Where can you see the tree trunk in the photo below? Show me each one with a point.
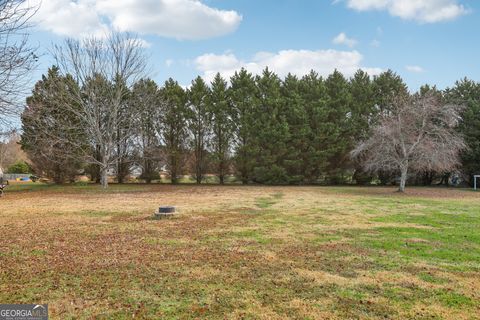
(244, 174)
(147, 172)
(96, 175)
(173, 168)
(198, 169)
(222, 179)
(173, 175)
(122, 170)
(403, 177)
(104, 176)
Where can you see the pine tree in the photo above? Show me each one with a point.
(338, 126)
(145, 98)
(53, 144)
(386, 87)
(173, 127)
(199, 126)
(363, 110)
(244, 104)
(271, 131)
(220, 109)
(297, 157)
(467, 93)
(315, 100)
(124, 137)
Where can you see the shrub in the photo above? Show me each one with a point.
(19, 167)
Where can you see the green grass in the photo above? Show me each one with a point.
(443, 232)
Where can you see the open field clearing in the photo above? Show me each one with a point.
(242, 252)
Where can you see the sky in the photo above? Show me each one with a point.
(424, 41)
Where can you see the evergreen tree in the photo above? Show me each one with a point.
(222, 126)
(145, 98)
(338, 126)
(54, 146)
(427, 89)
(124, 136)
(363, 111)
(387, 86)
(297, 156)
(315, 100)
(173, 127)
(244, 104)
(199, 126)
(467, 93)
(271, 131)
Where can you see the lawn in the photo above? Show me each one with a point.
(239, 252)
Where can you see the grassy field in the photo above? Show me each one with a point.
(242, 252)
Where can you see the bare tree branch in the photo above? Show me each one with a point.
(17, 57)
(105, 70)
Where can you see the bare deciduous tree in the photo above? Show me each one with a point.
(17, 57)
(105, 69)
(418, 134)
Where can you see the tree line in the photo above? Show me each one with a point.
(94, 115)
(95, 111)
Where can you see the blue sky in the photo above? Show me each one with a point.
(430, 41)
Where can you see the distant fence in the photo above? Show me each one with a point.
(15, 176)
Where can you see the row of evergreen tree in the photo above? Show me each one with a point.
(260, 129)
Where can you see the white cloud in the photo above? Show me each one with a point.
(210, 62)
(415, 69)
(298, 62)
(169, 62)
(181, 19)
(343, 39)
(69, 18)
(424, 11)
